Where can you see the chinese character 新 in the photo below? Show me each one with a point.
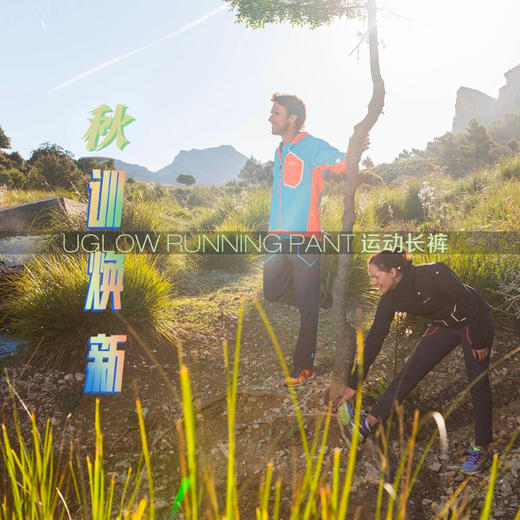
(105, 201)
(102, 125)
(106, 278)
(105, 365)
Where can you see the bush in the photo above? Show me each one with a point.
(509, 167)
(45, 303)
(13, 178)
(413, 209)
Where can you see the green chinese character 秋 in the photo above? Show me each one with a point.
(102, 125)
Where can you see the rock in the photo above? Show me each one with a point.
(372, 474)
(68, 377)
(507, 490)
(79, 376)
(436, 466)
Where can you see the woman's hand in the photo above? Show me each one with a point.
(349, 394)
(481, 354)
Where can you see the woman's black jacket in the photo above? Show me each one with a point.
(429, 290)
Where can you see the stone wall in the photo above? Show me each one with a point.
(24, 218)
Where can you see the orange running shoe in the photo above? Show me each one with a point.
(304, 375)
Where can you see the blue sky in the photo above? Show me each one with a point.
(211, 84)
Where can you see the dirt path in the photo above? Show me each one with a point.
(266, 426)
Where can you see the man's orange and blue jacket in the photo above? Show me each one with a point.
(298, 183)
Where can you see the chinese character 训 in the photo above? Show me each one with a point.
(105, 202)
(106, 278)
(104, 365)
(102, 124)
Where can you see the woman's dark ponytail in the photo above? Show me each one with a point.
(386, 260)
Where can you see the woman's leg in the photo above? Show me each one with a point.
(436, 343)
(481, 390)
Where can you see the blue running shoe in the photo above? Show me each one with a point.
(346, 416)
(477, 461)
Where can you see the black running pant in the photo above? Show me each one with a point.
(304, 271)
(437, 343)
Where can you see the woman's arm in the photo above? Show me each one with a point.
(374, 340)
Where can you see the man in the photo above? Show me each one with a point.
(295, 212)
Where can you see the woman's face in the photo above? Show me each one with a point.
(384, 281)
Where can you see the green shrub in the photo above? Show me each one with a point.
(45, 302)
(509, 167)
(413, 209)
(200, 195)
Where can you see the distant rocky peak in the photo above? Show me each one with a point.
(473, 104)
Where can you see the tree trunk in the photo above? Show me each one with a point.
(345, 333)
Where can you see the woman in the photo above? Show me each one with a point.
(459, 316)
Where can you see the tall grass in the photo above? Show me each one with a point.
(34, 492)
(509, 167)
(232, 214)
(46, 301)
(12, 196)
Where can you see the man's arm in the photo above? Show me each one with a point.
(331, 159)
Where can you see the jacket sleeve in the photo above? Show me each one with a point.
(465, 302)
(374, 340)
(329, 158)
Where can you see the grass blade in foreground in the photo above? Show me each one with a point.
(486, 510)
(190, 436)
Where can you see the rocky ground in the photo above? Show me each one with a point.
(266, 428)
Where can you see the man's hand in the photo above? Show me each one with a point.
(481, 354)
(366, 144)
(349, 394)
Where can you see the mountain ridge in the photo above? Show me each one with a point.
(211, 166)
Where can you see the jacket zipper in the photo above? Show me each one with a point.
(280, 193)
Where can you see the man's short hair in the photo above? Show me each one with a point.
(294, 105)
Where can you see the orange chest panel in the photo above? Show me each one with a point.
(292, 170)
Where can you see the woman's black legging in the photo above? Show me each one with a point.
(436, 343)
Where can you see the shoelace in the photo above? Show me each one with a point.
(364, 423)
(475, 456)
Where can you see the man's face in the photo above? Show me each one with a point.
(280, 120)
